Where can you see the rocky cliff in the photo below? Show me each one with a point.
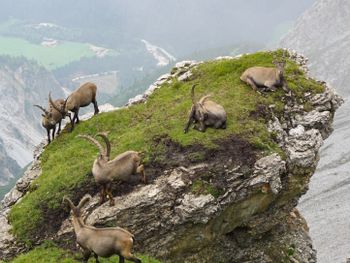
(323, 35)
(220, 196)
(22, 84)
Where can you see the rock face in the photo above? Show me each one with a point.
(22, 84)
(8, 166)
(252, 220)
(327, 45)
(7, 241)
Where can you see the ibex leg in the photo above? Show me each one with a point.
(141, 170)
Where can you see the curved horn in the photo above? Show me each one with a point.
(192, 93)
(53, 104)
(70, 203)
(43, 109)
(103, 135)
(83, 201)
(64, 111)
(204, 98)
(93, 141)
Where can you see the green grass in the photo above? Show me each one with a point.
(202, 187)
(68, 159)
(50, 253)
(50, 57)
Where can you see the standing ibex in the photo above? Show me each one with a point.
(105, 171)
(103, 242)
(81, 97)
(206, 113)
(266, 77)
(51, 117)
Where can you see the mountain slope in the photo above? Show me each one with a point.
(22, 84)
(8, 167)
(205, 189)
(323, 35)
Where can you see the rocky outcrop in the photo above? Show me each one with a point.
(327, 46)
(8, 244)
(246, 209)
(254, 219)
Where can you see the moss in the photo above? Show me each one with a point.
(66, 163)
(196, 156)
(308, 106)
(291, 250)
(202, 187)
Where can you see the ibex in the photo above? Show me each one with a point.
(105, 171)
(51, 117)
(103, 242)
(206, 113)
(266, 77)
(81, 97)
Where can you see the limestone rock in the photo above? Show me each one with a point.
(268, 170)
(251, 218)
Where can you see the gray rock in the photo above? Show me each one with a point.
(186, 76)
(302, 147)
(174, 223)
(7, 240)
(268, 170)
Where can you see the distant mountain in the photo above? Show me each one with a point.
(22, 84)
(8, 167)
(323, 35)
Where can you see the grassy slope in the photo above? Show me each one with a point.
(51, 57)
(50, 253)
(68, 159)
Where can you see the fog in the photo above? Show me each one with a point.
(180, 26)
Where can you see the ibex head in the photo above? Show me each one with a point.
(76, 209)
(61, 109)
(47, 115)
(280, 64)
(198, 112)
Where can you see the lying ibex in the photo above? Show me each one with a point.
(206, 113)
(266, 77)
(103, 242)
(81, 97)
(105, 171)
(51, 117)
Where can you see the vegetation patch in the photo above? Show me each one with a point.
(52, 57)
(156, 129)
(49, 252)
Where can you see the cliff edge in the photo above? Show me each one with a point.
(219, 196)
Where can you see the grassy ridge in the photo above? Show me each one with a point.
(67, 161)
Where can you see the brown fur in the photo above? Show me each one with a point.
(104, 242)
(268, 77)
(51, 118)
(206, 113)
(81, 97)
(105, 171)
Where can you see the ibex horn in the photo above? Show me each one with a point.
(103, 135)
(43, 109)
(93, 141)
